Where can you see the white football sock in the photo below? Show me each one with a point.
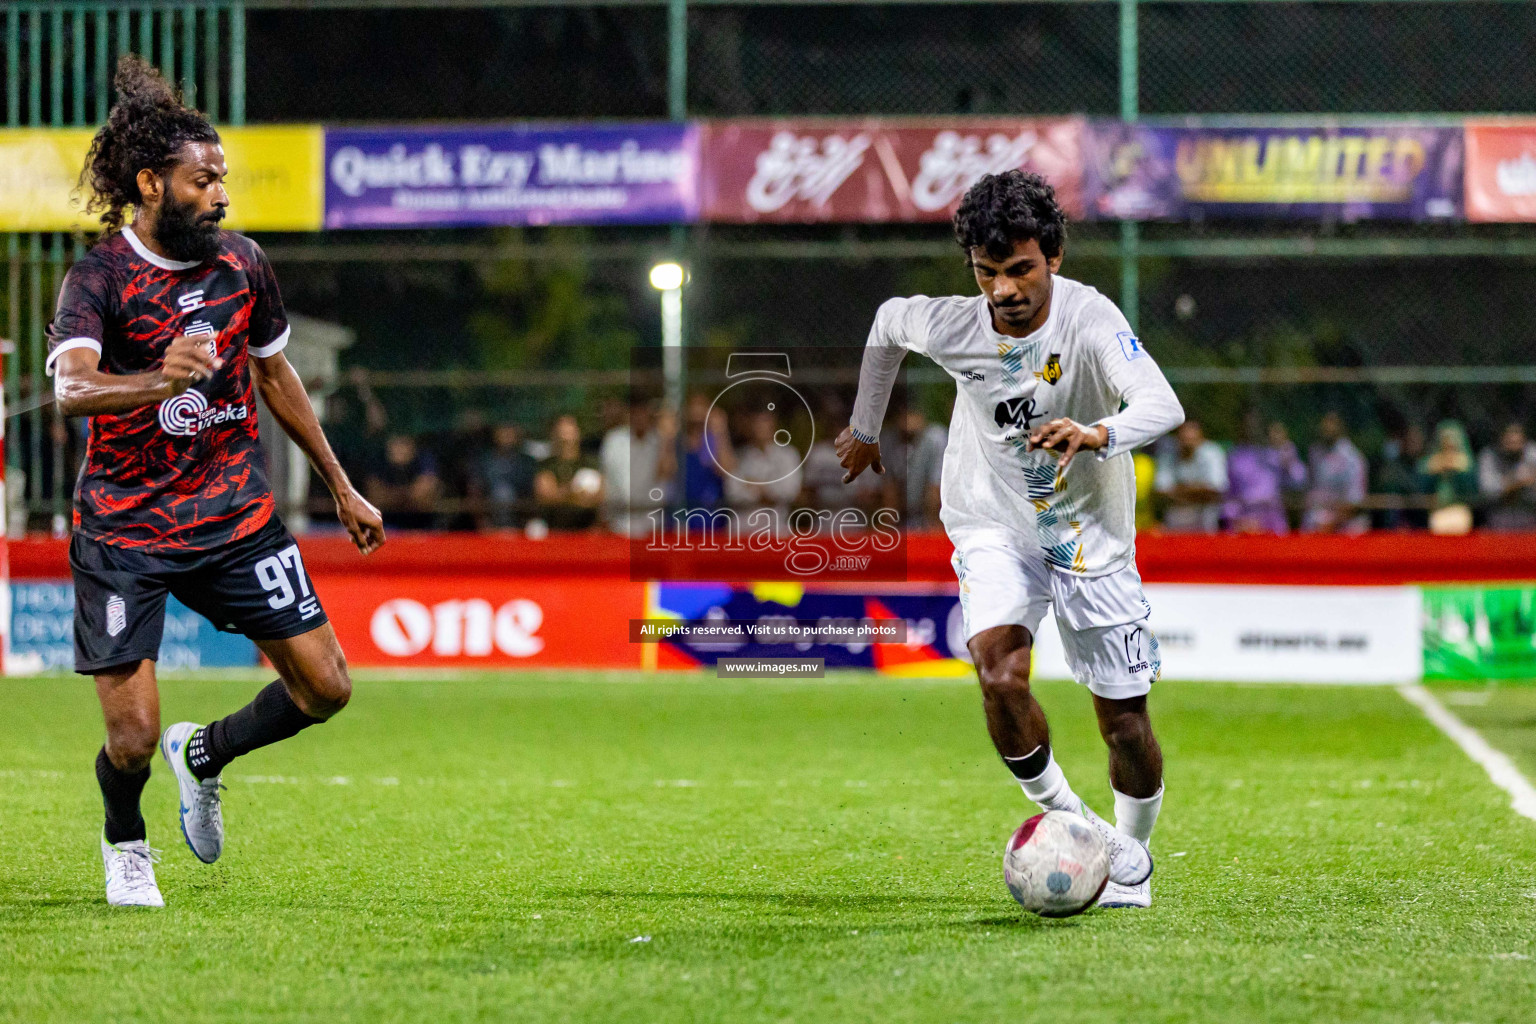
(1135, 817)
(1050, 790)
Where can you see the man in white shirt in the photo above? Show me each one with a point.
(1038, 494)
(638, 461)
(1193, 480)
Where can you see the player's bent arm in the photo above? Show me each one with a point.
(1151, 409)
(285, 396)
(81, 389)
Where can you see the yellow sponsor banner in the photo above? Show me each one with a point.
(275, 178)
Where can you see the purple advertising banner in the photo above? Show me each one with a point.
(1356, 172)
(444, 176)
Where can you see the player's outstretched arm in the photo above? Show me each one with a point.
(284, 394)
(900, 326)
(83, 390)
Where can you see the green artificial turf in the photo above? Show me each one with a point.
(621, 848)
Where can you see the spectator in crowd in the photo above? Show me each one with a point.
(1191, 479)
(707, 454)
(406, 486)
(1397, 479)
(1338, 477)
(357, 420)
(767, 469)
(1144, 466)
(568, 486)
(924, 468)
(1448, 476)
(1506, 474)
(501, 480)
(1258, 477)
(639, 459)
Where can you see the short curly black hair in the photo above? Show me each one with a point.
(1003, 209)
(148, 125)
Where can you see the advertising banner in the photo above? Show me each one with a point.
(483, 622)
(1480, 632)
(1391, 172)
(273, 183)
(446, 175)
(1501, 171)
(871, 171)
(1213, 633)
(43, 634)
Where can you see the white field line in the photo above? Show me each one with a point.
(1496, 763)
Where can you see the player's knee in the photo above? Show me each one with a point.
(328, 691)
(1005, 678)
(1128, 732)
(131, 740)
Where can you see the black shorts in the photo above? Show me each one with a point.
(256, 586)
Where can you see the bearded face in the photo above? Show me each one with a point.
(186, 232)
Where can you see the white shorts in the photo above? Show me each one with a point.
(1108, 643)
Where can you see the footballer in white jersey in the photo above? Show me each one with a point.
(1053, 390)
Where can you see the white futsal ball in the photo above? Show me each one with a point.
(1056, 864)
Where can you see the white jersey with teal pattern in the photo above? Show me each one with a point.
(1084, 363)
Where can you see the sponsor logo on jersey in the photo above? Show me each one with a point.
(1130, 345)
(1052, 372)
(1016, 412)
(191, 301)
(117, 615)
(188, 413)
(973, 375)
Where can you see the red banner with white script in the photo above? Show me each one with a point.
(873, 170)
(1501, 171)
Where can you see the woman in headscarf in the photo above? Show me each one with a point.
(1449, 476)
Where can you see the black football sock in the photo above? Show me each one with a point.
(1031, 765)
(120, 795)
(271, 717)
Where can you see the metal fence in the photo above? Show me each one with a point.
(1390, 323)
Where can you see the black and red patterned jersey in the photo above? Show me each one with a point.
(186, 474)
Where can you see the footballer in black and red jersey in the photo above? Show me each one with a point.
(165, 333)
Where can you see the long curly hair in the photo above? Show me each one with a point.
(147, 126)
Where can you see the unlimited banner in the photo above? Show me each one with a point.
(1501, 171)
(441, 175)
(273, 183)
(873, 171)
(1390, 172)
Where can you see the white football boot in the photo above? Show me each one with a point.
(131, 874)
(1130, 863)
(202, 818)
(1117, 896)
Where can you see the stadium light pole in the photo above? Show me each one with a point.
(669, 278)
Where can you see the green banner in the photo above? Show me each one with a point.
(1480, 632)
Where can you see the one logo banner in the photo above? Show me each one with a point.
(1501, 171)
(870, 171)
(1391, 172)
(447, 175)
